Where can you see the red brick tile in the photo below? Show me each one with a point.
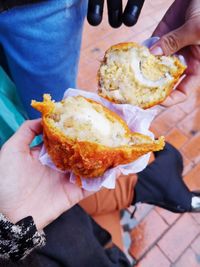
(156, 7)
(191, 124)
(196, 245)
(142, 211)
(122, 34)
(192, 178)
(92, 35)
(168, 217)
(145, 22)
(96, 51)
(188, 259)
(89, 85)
(159, 9)
(154, 258)
(191, 103)
(159, 15)
(178, 238)
(147, 8)
(141, 36)
(176, 138)
(192, 149)
(159, 109)
(168, 119)
(146, 234)
(146, 19)
(196, 216)
(82, 84)
(87, 69)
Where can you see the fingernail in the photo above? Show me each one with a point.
(157, 50)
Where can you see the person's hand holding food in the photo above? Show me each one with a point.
(29, 188)
(179, 32)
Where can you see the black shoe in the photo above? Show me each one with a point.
(161, 183)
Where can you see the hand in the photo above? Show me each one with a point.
(30, 188)
(115, 12)
(179, 32)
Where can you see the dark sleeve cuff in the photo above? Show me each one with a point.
(18, 240)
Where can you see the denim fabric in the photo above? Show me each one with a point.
(41, 43)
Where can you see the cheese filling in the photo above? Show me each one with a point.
(85, 121)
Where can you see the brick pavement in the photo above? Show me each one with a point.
(161, 238)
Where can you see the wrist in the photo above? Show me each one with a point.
(18, 214)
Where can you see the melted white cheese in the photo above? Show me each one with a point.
(98, 121)
(80, 119)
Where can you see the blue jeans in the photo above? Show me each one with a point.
(40, 45)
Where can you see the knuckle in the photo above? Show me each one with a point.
(170, 43)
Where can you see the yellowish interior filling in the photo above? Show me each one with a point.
(84, 121)
(135, 76)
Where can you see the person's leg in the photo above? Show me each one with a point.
(74, 239)
(161, 183)
(41, 43)
(105, 206)
(110, 200)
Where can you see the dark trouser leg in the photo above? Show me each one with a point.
(74, 240)
(161, 183)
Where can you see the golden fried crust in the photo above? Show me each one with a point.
(125, 47)
(122, 46)
(45, 107)
(88, 159)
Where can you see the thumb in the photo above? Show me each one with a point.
(25, 135)
(173, 41)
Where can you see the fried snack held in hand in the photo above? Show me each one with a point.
(130, 74)
(86, 138)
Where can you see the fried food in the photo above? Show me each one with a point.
(86, 138)
(130, 74)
